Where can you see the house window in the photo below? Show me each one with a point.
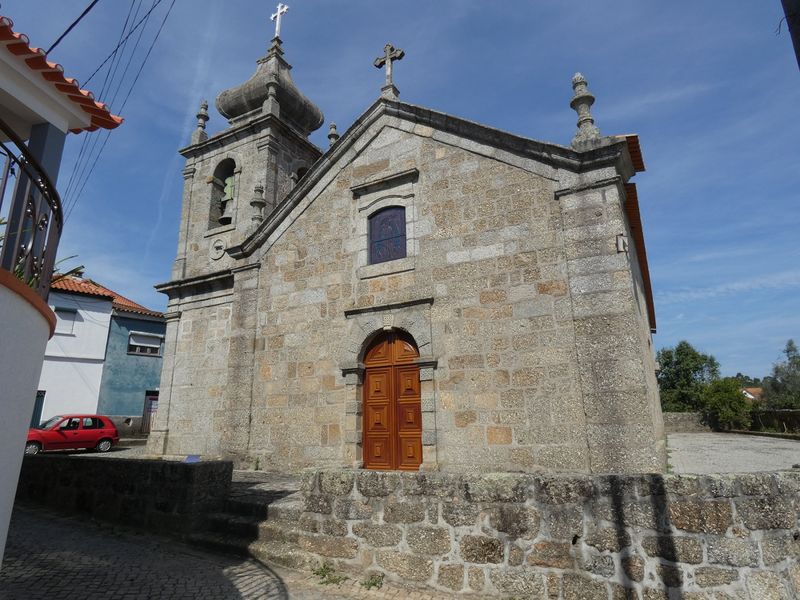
(387, 235)
(65, 320)
(143, 343)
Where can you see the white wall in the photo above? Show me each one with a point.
(73, 363)
(23, 334)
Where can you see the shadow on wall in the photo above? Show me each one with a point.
(627, 513)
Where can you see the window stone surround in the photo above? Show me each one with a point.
(398, 189)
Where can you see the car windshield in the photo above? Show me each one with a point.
(50, 422)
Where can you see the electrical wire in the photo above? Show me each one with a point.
(86, 139)
(134, 28)
(108, 82)
(122, 106)
(72, 26)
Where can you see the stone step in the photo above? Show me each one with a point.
(277, 531)
(221, 543)
(252, 528)
(232, 524)
(287, 509)
(246, 508)
(283, 554)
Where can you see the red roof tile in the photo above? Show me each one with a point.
(76, 285)
(635, 220)
(635, 150)
(36, 60)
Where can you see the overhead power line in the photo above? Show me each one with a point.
(72, 26)
(89, 142)
(124, 102)
(134, 28)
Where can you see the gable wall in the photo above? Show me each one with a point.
(490, 254)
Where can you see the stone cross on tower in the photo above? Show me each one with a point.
(282, 9)
(390, 54)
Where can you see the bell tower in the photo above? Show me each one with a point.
(235, 178)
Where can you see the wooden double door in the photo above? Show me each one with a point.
(392, 410)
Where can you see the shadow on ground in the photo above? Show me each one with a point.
(49, 556)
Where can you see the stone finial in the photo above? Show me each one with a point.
(581, 104)
(200, 134)
(390, 54)
(333, 135)
(258, 203)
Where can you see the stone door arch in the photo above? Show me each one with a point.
(392, 403)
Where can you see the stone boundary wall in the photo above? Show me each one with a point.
(571, 537)
(155, 494)
(684, 422)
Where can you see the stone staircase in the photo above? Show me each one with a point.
(260, 520)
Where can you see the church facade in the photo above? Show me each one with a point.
(427, 293)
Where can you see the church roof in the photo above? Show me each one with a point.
(18, 45)
(272, 78)
(547, 153)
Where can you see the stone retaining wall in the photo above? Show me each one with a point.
(156, 494)
(570, 537)
(684, 422)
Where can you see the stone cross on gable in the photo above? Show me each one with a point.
(390, 54)
(282, 9)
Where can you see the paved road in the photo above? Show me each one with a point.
(730, 453)
(49, 556)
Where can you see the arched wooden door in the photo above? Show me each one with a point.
(392, 411)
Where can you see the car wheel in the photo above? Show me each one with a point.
(103, 446)
(33, 448)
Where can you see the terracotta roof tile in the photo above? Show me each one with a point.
(76, 285)
(36, 60)
(635, 150)
(635, 220)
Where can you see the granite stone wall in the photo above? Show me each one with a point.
(539, 536)
(155, 494)
(684, 422)
(534, 343)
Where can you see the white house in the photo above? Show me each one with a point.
(73, 361)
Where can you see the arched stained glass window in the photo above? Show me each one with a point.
(387, 235)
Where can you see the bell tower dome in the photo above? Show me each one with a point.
(235, 178)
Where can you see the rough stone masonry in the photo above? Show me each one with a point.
(603, 537)
(522, 282)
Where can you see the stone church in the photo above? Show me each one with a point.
(426, 293)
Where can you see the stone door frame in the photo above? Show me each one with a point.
(364, 325)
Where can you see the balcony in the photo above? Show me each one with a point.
(31, 218)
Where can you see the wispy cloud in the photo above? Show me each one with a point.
(775, 281)
(655, 102)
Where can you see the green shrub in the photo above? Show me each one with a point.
(724, 405)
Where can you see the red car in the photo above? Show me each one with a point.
(69, 432)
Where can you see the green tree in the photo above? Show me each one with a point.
(747, 381)
(683, 377)
(782, 387)
(724, 405)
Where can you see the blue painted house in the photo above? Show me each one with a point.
(132, 368)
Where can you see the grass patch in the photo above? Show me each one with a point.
(373, 581)
(328, 575)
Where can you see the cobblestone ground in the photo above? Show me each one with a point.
(49, 556)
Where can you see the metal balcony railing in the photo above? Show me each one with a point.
(31, 215)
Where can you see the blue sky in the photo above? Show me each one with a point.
(710, 87)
